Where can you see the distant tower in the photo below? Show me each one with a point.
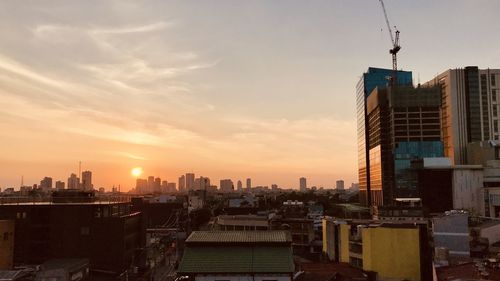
(46, 183)
(73, 182)
(303, 184)
(151, 184)
(240, 185)
(190, 181)
(249, 184)
(340, 185)
(182, 183)
(87, 180)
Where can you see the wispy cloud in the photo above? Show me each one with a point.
(157, 26)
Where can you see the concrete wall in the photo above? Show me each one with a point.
(394, 253)
(6, 244)
(467, 190)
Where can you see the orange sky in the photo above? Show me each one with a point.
(225, 89)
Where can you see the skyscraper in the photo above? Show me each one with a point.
(151, 184)
(87, 180)
(157, 185)
(404, 125)
(374, 77)
(59, 185)
(73, 182)
(182, 183)
(303, 184)
(470, 108)
(240, 185)
(46, 183)
(249, 184)
(226, 185)
(339, 185)
(190, 181)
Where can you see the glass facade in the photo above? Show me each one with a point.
(374, 77)
(405, 179)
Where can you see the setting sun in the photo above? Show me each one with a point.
(137, 171)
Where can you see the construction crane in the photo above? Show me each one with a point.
(395, 45)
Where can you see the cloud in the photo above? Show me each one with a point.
(157, 26)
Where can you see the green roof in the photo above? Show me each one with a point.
(237, 259)
(232, 237)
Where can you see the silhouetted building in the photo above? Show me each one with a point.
(189, 181)
(303, 184)
(6, 244)
(249, 184)
(73, 182)
(59, 185)
(141, 186)
(46, 183)
(182, 183)
(87, 180)
(339, 185)
(226, 185)
(239, 185)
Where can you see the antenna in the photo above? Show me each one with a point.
(22, 180)
(80, 169)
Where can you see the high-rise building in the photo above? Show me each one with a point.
(157, 185)
(141, 186)
(303, 184)
(470, 108)
(151, 184)
(226, 185)
(59, 185)
(339, 185)
(87, 180)
(164, 186)
(374, 77)
(190, 181)
(171, 187)
(249, 184)
(182, 183)
(239, 185)
(46, 183)
(73, 182)
(403, 125)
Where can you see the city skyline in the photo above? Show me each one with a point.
(173, 87)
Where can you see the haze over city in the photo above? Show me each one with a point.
(225, 89)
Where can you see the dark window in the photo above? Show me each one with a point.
(493, 82)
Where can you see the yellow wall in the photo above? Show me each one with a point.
(326, 237)
(6, 245)
(344, 242)
(392, 252)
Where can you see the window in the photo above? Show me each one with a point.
(494, 95)
(493, 82)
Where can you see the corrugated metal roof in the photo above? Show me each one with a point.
(277, 236)
(237, 259)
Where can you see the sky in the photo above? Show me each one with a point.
(224, 89)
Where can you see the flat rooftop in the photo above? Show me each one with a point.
(231, 237)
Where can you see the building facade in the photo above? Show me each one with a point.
(374, 77)
(470, 106)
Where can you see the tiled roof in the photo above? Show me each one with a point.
(232, 237)
(237, 259)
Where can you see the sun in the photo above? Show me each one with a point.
(137, 171)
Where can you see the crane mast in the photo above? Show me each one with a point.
(395, 45)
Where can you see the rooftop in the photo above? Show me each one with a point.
(232, 237)
(236, 259)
